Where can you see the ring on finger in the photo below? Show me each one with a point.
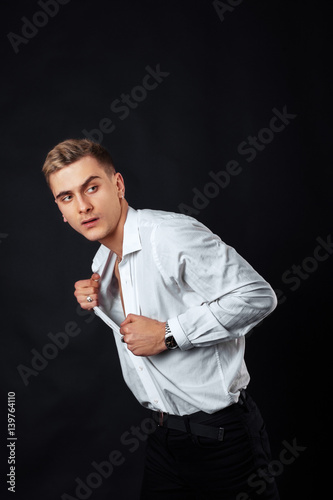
(89, 299)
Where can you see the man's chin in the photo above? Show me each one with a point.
(92, 235)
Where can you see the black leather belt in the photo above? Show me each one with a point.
(184, 424)
(190, 423)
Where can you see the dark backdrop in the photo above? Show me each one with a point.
(222, 72)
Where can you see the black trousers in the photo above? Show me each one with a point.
(181, 466)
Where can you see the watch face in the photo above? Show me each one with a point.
(170, 342)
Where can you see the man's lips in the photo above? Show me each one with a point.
(90, 222)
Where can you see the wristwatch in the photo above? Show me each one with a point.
(170, 341)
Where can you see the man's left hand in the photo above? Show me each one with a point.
(143, 336)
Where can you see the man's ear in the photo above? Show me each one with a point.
(120, 184)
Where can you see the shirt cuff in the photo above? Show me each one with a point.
(182, 341)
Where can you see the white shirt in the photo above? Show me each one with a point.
(175, 269)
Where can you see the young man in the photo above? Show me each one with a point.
(180, 302)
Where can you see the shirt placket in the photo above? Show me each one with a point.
(131, 304)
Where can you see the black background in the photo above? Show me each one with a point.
(225, 77)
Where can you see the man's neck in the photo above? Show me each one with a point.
(114, 241)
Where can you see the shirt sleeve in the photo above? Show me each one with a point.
(233, 296)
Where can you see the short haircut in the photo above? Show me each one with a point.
(67, 152)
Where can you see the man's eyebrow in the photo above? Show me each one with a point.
(85, 184)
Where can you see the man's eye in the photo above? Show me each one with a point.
(66, 198)
(92, 189)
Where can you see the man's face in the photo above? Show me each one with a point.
(89, 198)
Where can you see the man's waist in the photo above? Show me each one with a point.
(198, 423)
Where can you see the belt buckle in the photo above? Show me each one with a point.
(220, 434)
(162, 418)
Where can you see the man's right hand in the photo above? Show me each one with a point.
(87, 288)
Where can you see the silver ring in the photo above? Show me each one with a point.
(89, 299)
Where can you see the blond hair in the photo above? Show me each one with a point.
(67, 152)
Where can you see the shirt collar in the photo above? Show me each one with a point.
(131, 242)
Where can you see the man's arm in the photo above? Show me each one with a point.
(235, 298)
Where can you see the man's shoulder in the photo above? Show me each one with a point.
(155, 218)
(164, 230)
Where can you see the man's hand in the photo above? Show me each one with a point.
(143, 336)
(87, 288)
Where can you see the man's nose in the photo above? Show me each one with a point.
(84, 205)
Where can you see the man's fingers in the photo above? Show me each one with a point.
(125, 322)
(83, 297)
(130, 318)
(86, 304)
(88, 290)
(82, 284)
(94, 280)
(94, 285)
(85, 289)
(125, 329)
